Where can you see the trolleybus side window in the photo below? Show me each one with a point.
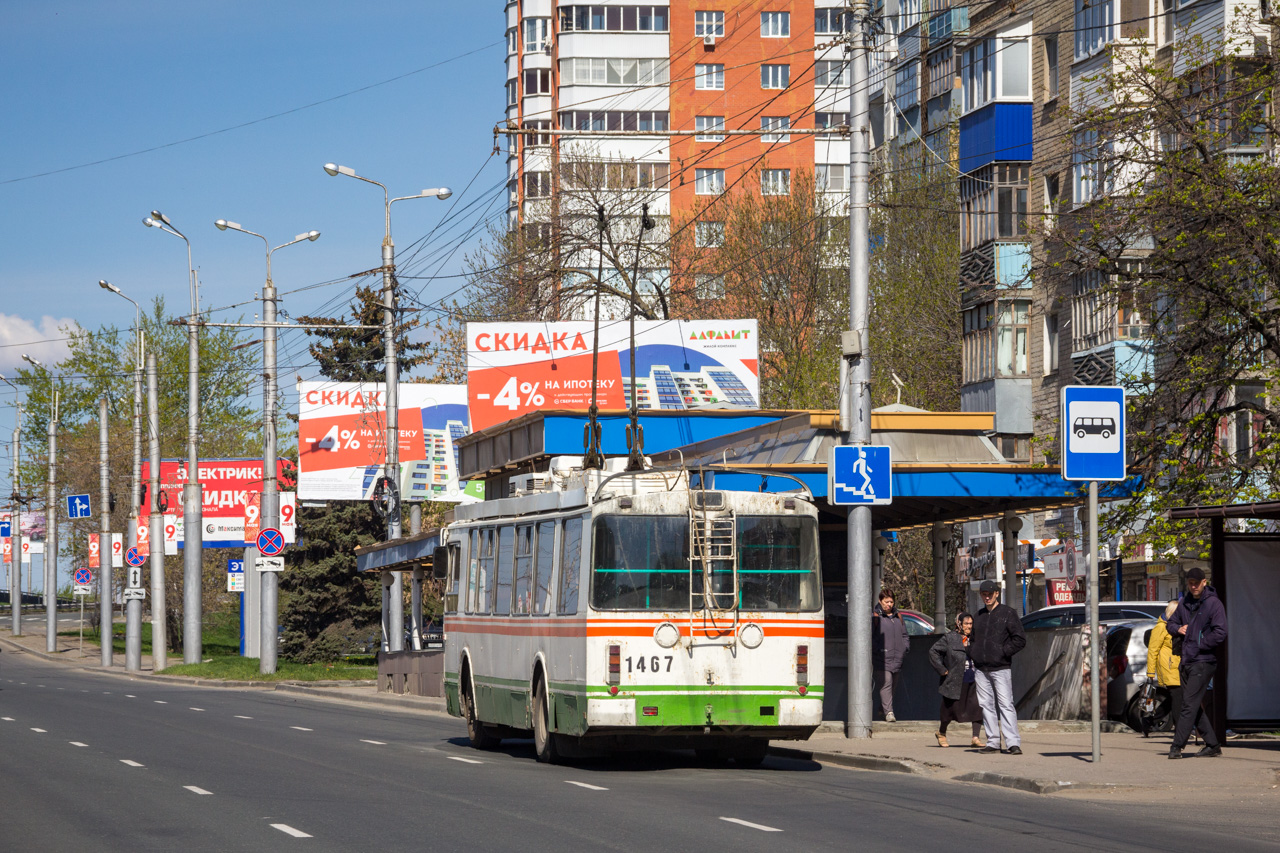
(484, 581)
(460, 554)
(542, 566)
(506, 553)
(778, 563)
(524, 569)
(570, 564)
(640, 562)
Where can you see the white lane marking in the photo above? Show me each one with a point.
(130, 696)
(289, 830)
(301, 729)
(41, 731)
(7, 719)
(241, 717)
(374, 742)
(585, 785)
(161, 702)
(464, 760)
(197, 709)
(747, 823)
(62, 688)
(201, 791)
(77, 743)
(130, 763)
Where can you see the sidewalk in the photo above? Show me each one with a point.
(1056, 757)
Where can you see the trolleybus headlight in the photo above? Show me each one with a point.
(666, 635)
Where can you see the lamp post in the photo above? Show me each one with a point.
(270, 513)
(15, 522)
(391, 473)
(51, 519)
(133, 609)
(192, 494)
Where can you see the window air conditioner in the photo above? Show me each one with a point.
(709, 41)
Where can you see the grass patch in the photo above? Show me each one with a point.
(246, 669)
(219, 638)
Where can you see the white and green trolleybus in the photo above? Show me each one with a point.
(605, 610)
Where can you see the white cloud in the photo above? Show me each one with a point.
(44, 340)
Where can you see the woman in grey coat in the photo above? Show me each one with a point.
(950, 657)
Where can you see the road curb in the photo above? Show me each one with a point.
(857, 762)
(1031, 786)
(424, 704)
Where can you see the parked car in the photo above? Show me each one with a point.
(917, 623)
(1126, 664)
(1109, 612)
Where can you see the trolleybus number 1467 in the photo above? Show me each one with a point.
(653, 662)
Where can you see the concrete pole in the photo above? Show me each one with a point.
(940, 538)
(395, 622)
(15, 530)
(1095, 655)
(269, 582)
(133, 607)
(106, 617)
(387, 585)
(855, 401)
(192, 500)
(1009, 527)
(159, 637)
(415, 592)
(51, 537)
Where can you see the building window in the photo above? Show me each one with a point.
(1050, 343)
(1095, 26)
(708, 181)
(907, 87)
(708, 76)
(614, 19)
(997, 69)
(537, 184)
(1012, 183)
(1085, 168)
(1249, 425)
(614, 174)
(995, 340)
(908, 14)
(830, 21)
(708, 128)
(707, 286)
(1052, 200)
(537, 81)
(775, 24)
(1168, 23)
(826, 73)
(537, 34)
(1013, 332)
(1050, 67)
(775, 128)
(1101, 312)
(540, 138)
(645, 122)
(513, 41)
(833, 177)
(584, 71)
(775, 181)
(942, 74)
(708, 24)
(978, 362)
(513, 92)
(993, 204)
(537, 233)
(773, 77)
(708, 235)
(828, 122)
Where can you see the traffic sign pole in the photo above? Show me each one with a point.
(1095, 655)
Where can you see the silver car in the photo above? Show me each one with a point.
(1126, 664)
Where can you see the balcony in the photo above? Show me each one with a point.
(999, 131)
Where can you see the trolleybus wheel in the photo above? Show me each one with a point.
(544, 740)
(480, 735)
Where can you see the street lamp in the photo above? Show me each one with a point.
(51, 518)
(391, 475)
(133, 636)
(15, 520)
(192, 494)
(270, 510)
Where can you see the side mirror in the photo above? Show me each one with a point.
(440, 562)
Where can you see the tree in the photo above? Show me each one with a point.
(1173, 248)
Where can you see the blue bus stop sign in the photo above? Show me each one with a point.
(860, 474)
(1093, 433)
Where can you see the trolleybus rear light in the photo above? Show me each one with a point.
(650, 711)
(802, 667)
(615, 667)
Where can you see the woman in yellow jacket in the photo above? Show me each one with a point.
(1162, 663)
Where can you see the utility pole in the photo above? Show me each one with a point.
(15, 530)
(105, 616)
(133, 607)
(159, 637)
(855, 397)
(51, 536)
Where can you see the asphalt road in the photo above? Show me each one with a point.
(96, 762)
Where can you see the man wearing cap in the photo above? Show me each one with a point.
(1201, 621)
(997, 637)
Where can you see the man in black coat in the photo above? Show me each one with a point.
(1201, 621)
(997, 637)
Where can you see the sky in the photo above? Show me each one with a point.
(229, 110)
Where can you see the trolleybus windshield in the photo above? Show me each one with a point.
(641, 562)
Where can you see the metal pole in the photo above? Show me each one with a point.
(415, 591)
(192, 497)
(51, 537)
(133, 607)
(159, 635)
(1095, 680)
(105, 616)
(15, 531)
(1009, 527)
(939, 536)
(395, 620)
(855, 401)
(270, 506)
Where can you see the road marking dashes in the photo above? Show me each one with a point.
(130, 763)
(242, 717)
(747, 823)
(77, 743)
(374, 742)
(301, 729)
(585, 785)
(289, 830)
(130, 696)
(464, 760)
(197, 709)
(201, 791)
(7, 719)
(41, 731)
(161, 702)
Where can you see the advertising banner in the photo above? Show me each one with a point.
(227, 485)
(514, 368)
(342, 440)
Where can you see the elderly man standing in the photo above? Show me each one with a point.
(997, 637)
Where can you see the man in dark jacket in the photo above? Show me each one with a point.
(997, 637)
(889, 646)
(1201, 621)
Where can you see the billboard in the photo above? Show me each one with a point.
(514, 368)
(228, 487)
(342, 440)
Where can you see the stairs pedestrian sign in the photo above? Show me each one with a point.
(860, 474)
(78, 506)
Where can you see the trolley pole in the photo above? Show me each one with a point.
(159, 635)
(105, 616)
(855, 397)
